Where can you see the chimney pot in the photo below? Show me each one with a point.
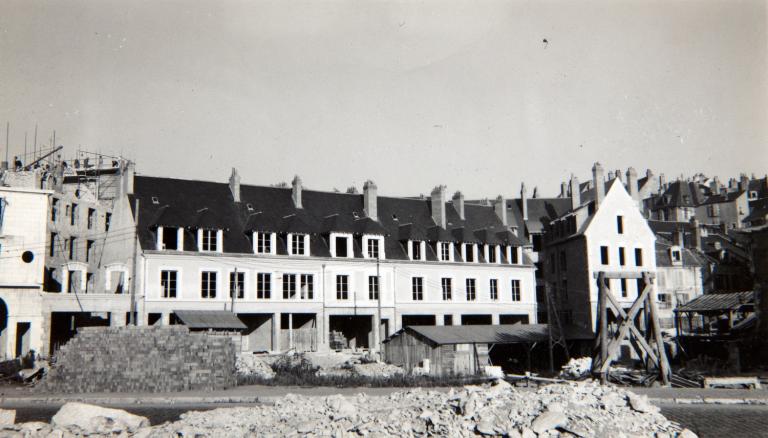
(234, 185)
(370, 200)
(296, 192)
(500, 207)
(599, 183)
(458, 204)
(524, 199)
(575, 193)
(563, 189)
(632, 183)
(437, 199)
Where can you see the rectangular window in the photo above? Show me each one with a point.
(622, 261)
(445, 283)
(494, 289)
(342, 287)
(52, 250)
(620, 224)
(604, 255)
(72, 248)
(91, 218)
(515, 290)
(54, 209)
(373, 248)
(209, 240)
(445, 251)
(341, 246)
(624, 288)
(471, 291)
(263, 285)
(237, 285)
(168, 283)
(417, 288)
(73, 216)
(170, 238)
(263, 243)
(563, 262)
(640, 286)
(638, 257)
(491, 254)
(307, 286)
(447, 319)
(513, 255)
(297, 244)
(289, 286)
(88, 250)
(208, 284)
(107, 221)
(373, 287)
(416, 250)
(469, 253)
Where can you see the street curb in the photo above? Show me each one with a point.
(711, 401)
(136, 401)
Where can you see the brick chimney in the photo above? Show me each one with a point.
(575, 193)
(678, 237)
(437, 199)
(662, 182)
(127, 171)
(234, 185)
(563, 189)
(370, 200)
(632, 183)
(618, 174)
(524, 201)
(500, 207)
(696, 233)
(458, 204)
(598, 181)
(743, 182)
(296, 192)
(715, 185)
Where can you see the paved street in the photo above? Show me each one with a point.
(720, 421)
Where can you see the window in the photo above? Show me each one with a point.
(665, 301)
(208, 284)
(52, 250)
(469, 253)
(373, 287)
(638, 257)
(641, 285)
(563, 262)
(107, 221)
(289, 286)
(73, 216)
(604, 255)
(168, 283)
(471, 291)
(445, 283)
(54, 209)
(91, 218)
(624, 288)
(621, 256)
(491, 254)
(620, 224)
(342, 287)
(564, 288)
(209, 242)
(263, 285)
(373, 248)
(88, 249)
(513, 254)
(552, 265)
(72, 248)
(494, 289)
(675, 255)
(515, 290)
(297, 244)
(416, 250)
(341, 246)
(237, 285)
(263, 243)
(307, 286)
(171, 238)
(447, 319)
(445, 251)
(417, 288)
(713, 210)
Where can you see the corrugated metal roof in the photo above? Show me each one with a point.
(213, 319)
(715, 302)
(494, 334)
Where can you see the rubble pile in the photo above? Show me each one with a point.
(251, 365)
(576, 368)
(170, 358)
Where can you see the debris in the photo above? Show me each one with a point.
(96, 419)
(251, 365)
(576, 368)
(640, 403)
(7, 416)
(549, 420)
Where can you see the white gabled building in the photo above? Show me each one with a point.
(605, 231)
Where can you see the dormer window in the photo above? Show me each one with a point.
(468, 252)
(445, 251)
(373, 247)
(170, 238)
(209, 240)
(752, 195)
(491, 256)
(416, 249)
(341, 245)
(676, 255)
(513, 258)
(155, 201)
(298, 244)
(263, 243)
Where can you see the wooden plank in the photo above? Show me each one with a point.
(623, 274)
(627, 319)
(664, 364)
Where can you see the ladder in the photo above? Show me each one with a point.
(556, 334)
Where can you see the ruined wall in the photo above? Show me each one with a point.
(142, 359)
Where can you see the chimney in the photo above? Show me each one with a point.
(648, 174)
(610, 175)
(234, 185)
(563, 189)
(438, 205)
(535, 192)
(575, 193)
(696, 234)
(501, 209)
(662, 182)
(618, 174)
(744, 182)
(458, 204)
(370, 200)
(599, 183)
(632, 183)
(678, 237)
(715, 185)
(524, 201)
(128, 172)
(296, 192)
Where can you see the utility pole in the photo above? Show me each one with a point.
(236, 291)
(378, 296)
(132, 320)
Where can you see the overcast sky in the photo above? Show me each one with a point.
(409, 94)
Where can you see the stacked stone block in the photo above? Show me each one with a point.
(142, 359)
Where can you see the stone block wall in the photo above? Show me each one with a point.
(142, 359)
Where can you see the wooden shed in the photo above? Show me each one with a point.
(465, 350)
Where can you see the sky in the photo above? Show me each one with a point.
(409, 94)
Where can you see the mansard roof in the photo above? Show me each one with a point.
(191, 204)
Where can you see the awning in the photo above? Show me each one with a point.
(494, 334)
(718, 302)
(210, 319)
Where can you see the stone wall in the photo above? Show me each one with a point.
(142, 359)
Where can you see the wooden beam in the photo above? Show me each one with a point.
(623, 274)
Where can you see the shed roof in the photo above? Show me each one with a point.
(493, 334)
(210, 319)
(718, 302)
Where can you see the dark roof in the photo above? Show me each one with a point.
(681, 194)
(190, 204)
(493, 334)
(723, 197)
(690, 257)
(541, 211)
(718, 302)
(210, 319)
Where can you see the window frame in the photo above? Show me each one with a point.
(471, 287)
(605, 255)
(288, 286)
(638, 256)
(240, 279)
(342, 287)
(620, 224)
(208, 287)
(263, 285)
(493, 289)
(446, 287)
(169, 286)
(417, 288)
(308, 281)
(374, 287)
(515, 290)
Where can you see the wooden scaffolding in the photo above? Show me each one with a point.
(639, 326)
